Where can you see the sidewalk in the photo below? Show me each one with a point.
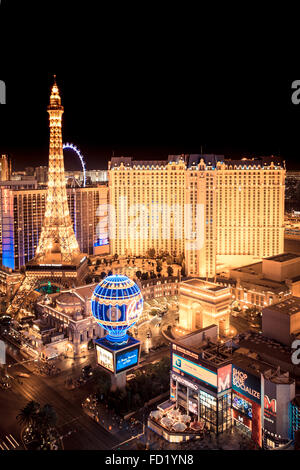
(120, 428)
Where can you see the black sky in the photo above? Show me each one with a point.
(137, 82)
(149, 115)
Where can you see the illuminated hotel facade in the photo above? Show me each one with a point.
(219, 213)
(22, 214)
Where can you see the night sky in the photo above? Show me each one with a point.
(138, 83)
(149, 113)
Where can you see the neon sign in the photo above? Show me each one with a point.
(270, 405)
(246, 384)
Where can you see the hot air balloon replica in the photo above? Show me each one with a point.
(117, 303)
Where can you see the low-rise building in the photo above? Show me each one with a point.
(282, 320)
(266, 283)
(69, 313)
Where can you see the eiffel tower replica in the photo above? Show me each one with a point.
(58, 257)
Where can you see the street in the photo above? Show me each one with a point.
(86, 434)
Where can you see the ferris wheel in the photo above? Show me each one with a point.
(69, 146)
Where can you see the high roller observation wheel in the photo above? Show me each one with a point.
(69, 146)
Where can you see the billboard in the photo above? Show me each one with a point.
(127, 359)
(186, 367)
(242, 406)
(270, 406)
(224, 378)
(246, 384)
(105, 358)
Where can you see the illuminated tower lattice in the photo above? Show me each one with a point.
(57, 257)
(57, 239)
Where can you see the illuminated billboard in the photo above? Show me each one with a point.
(127, 359)
(184, 366)
(241, 405)
(270, 406)
(246, 384)
(105, 358)
(116, 358)
(224, 378)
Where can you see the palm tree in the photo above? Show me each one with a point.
(47, 418)
(28, 414)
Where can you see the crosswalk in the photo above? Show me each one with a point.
(9, 443)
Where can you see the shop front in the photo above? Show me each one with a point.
(203, 392)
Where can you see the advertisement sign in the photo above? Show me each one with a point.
(270, 406)
(224, 378)
(105, 358)
(185, 382)
(242, 419)
(246, 384)
(184, 366)
(127, 359)
(242, 406)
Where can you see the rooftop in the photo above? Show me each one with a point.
(192, 161)
(204, 285)
(263, 346)
(203, 343)
(252, 269)
(290, 306)
(283, 258)
(250, 364)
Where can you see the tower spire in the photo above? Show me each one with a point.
(57, 241)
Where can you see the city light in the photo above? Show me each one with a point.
(154, 306)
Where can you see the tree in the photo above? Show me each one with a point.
(98, 262)
(46, 418)
(180, 259)
(28, 414)
(170, 271)
(103, 275)
(151, 253)
(158, 268)
(169, 260)
(138, 274)
(116, 256)
(145, 277)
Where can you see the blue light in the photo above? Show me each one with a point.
(80, 156)
(101, 242)
(117, 303)
(8, 255)
(127, 359)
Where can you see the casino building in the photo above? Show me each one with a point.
(220, 213)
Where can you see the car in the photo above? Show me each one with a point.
(24, 376)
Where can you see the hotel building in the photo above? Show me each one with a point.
(219, 213)
(5, 167)
(22, 208)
